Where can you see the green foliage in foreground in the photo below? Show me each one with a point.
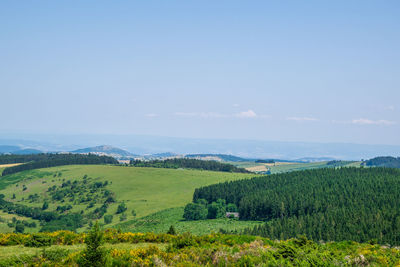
(127, 249)
(357, 204)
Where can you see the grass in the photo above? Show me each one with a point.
(145, 190)
(281, 167)
(161, 221)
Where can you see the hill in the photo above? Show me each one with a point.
(106, 150)
(185, 163)
(390, 162)
(26, 151)
(8, 149)
(36, 161)
(279, 166)
(98, 190)
(357, 204)
(217, 157)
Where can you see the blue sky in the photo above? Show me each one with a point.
(321, 71)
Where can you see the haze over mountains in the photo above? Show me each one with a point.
(134, 145)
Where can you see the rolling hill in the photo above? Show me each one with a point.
(106, 150)
(144, 190)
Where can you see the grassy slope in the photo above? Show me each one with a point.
(161, 221)
(146, 190)
(288, 167)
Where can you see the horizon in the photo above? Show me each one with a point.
(148, 145)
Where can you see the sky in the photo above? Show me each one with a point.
(311, 71)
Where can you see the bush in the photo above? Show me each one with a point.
(121, 208)
(38, 240)
(19, 228)
(108, 219)
(171, 230)
(195, 211)
(123, 217)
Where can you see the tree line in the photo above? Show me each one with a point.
(176, 163)
(390, 162)
(325, 204)
(51, 160)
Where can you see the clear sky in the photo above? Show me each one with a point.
(322, 71)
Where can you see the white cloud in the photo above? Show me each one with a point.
(372, 122)
(151, 115)
(391, 108)
(201, 114)
(243, 115)
(247, 114)
(301, 119)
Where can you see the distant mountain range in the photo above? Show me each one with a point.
(18, 150)
(161, 147)
(217, 157)
(107, 151)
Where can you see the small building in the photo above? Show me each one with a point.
(232, 215)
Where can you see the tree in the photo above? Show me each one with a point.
(231, 207)
(93, 255)
(108, 219)
(133, 213)
(123, 217)
(195, 211)
(121, 208)
(45, 205)
(171, 230)
(19, 228)
(216, 209)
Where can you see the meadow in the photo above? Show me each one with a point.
(144, 190)
(281, 167)
(160, 222)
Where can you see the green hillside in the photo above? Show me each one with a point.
(160, 222)
(282, 167)
(144, 190)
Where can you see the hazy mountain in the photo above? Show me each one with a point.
(8, 149)
(26, 151)
(142, 145)
(218, 157)
(105, 150)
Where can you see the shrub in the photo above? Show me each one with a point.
(108, 219)
(19, 228)
(38, 240)
(171, 230)
(121, 208)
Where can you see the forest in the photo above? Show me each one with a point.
(357, 204)
(208, 165)
(390, 162)
(37, 161)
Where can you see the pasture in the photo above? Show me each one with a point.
(144, 190)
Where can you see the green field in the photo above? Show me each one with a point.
(161, 221)
(145, 190)
(281, 167)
